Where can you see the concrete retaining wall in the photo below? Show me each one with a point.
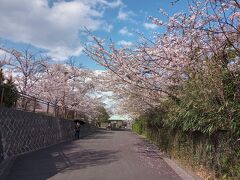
(22, 132)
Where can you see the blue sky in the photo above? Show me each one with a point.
(54, 27)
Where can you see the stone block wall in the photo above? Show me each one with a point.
(22, 132)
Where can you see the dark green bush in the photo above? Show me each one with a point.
(9, 91)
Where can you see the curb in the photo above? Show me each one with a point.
(183, 173)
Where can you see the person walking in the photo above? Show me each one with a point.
(77, 130)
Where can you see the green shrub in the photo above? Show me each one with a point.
(138, 126)
(9, 91)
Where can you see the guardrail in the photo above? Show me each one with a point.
(29, 103)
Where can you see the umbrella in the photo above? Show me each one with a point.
(79, 121)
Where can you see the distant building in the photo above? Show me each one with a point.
(119, 121)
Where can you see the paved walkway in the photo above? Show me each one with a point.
(105, 155)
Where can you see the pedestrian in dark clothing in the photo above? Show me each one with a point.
(77, 130)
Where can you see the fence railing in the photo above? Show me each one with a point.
(26, 102)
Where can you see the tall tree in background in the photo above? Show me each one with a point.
(27, 67)
(103, 115)
(66, 85)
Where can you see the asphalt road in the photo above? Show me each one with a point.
(104, 155)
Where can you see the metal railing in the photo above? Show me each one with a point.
(29, 103)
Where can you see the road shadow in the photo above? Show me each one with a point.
(120, 129)
(84, 159)
(45, 163)
(100, 134)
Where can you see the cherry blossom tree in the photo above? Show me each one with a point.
(68, 87)
(157, 67)
(27, 69)
(64, 85)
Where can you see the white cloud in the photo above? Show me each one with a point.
(3, 58)
(150, 26)
(104, 3)
(53, 28)
(108, 27)
(99, 72)
(125, 43)
(2, 54)
(125, 15)
(62, 52)
(124, 31)
(113, 4)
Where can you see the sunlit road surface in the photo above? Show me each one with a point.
(105, 155)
